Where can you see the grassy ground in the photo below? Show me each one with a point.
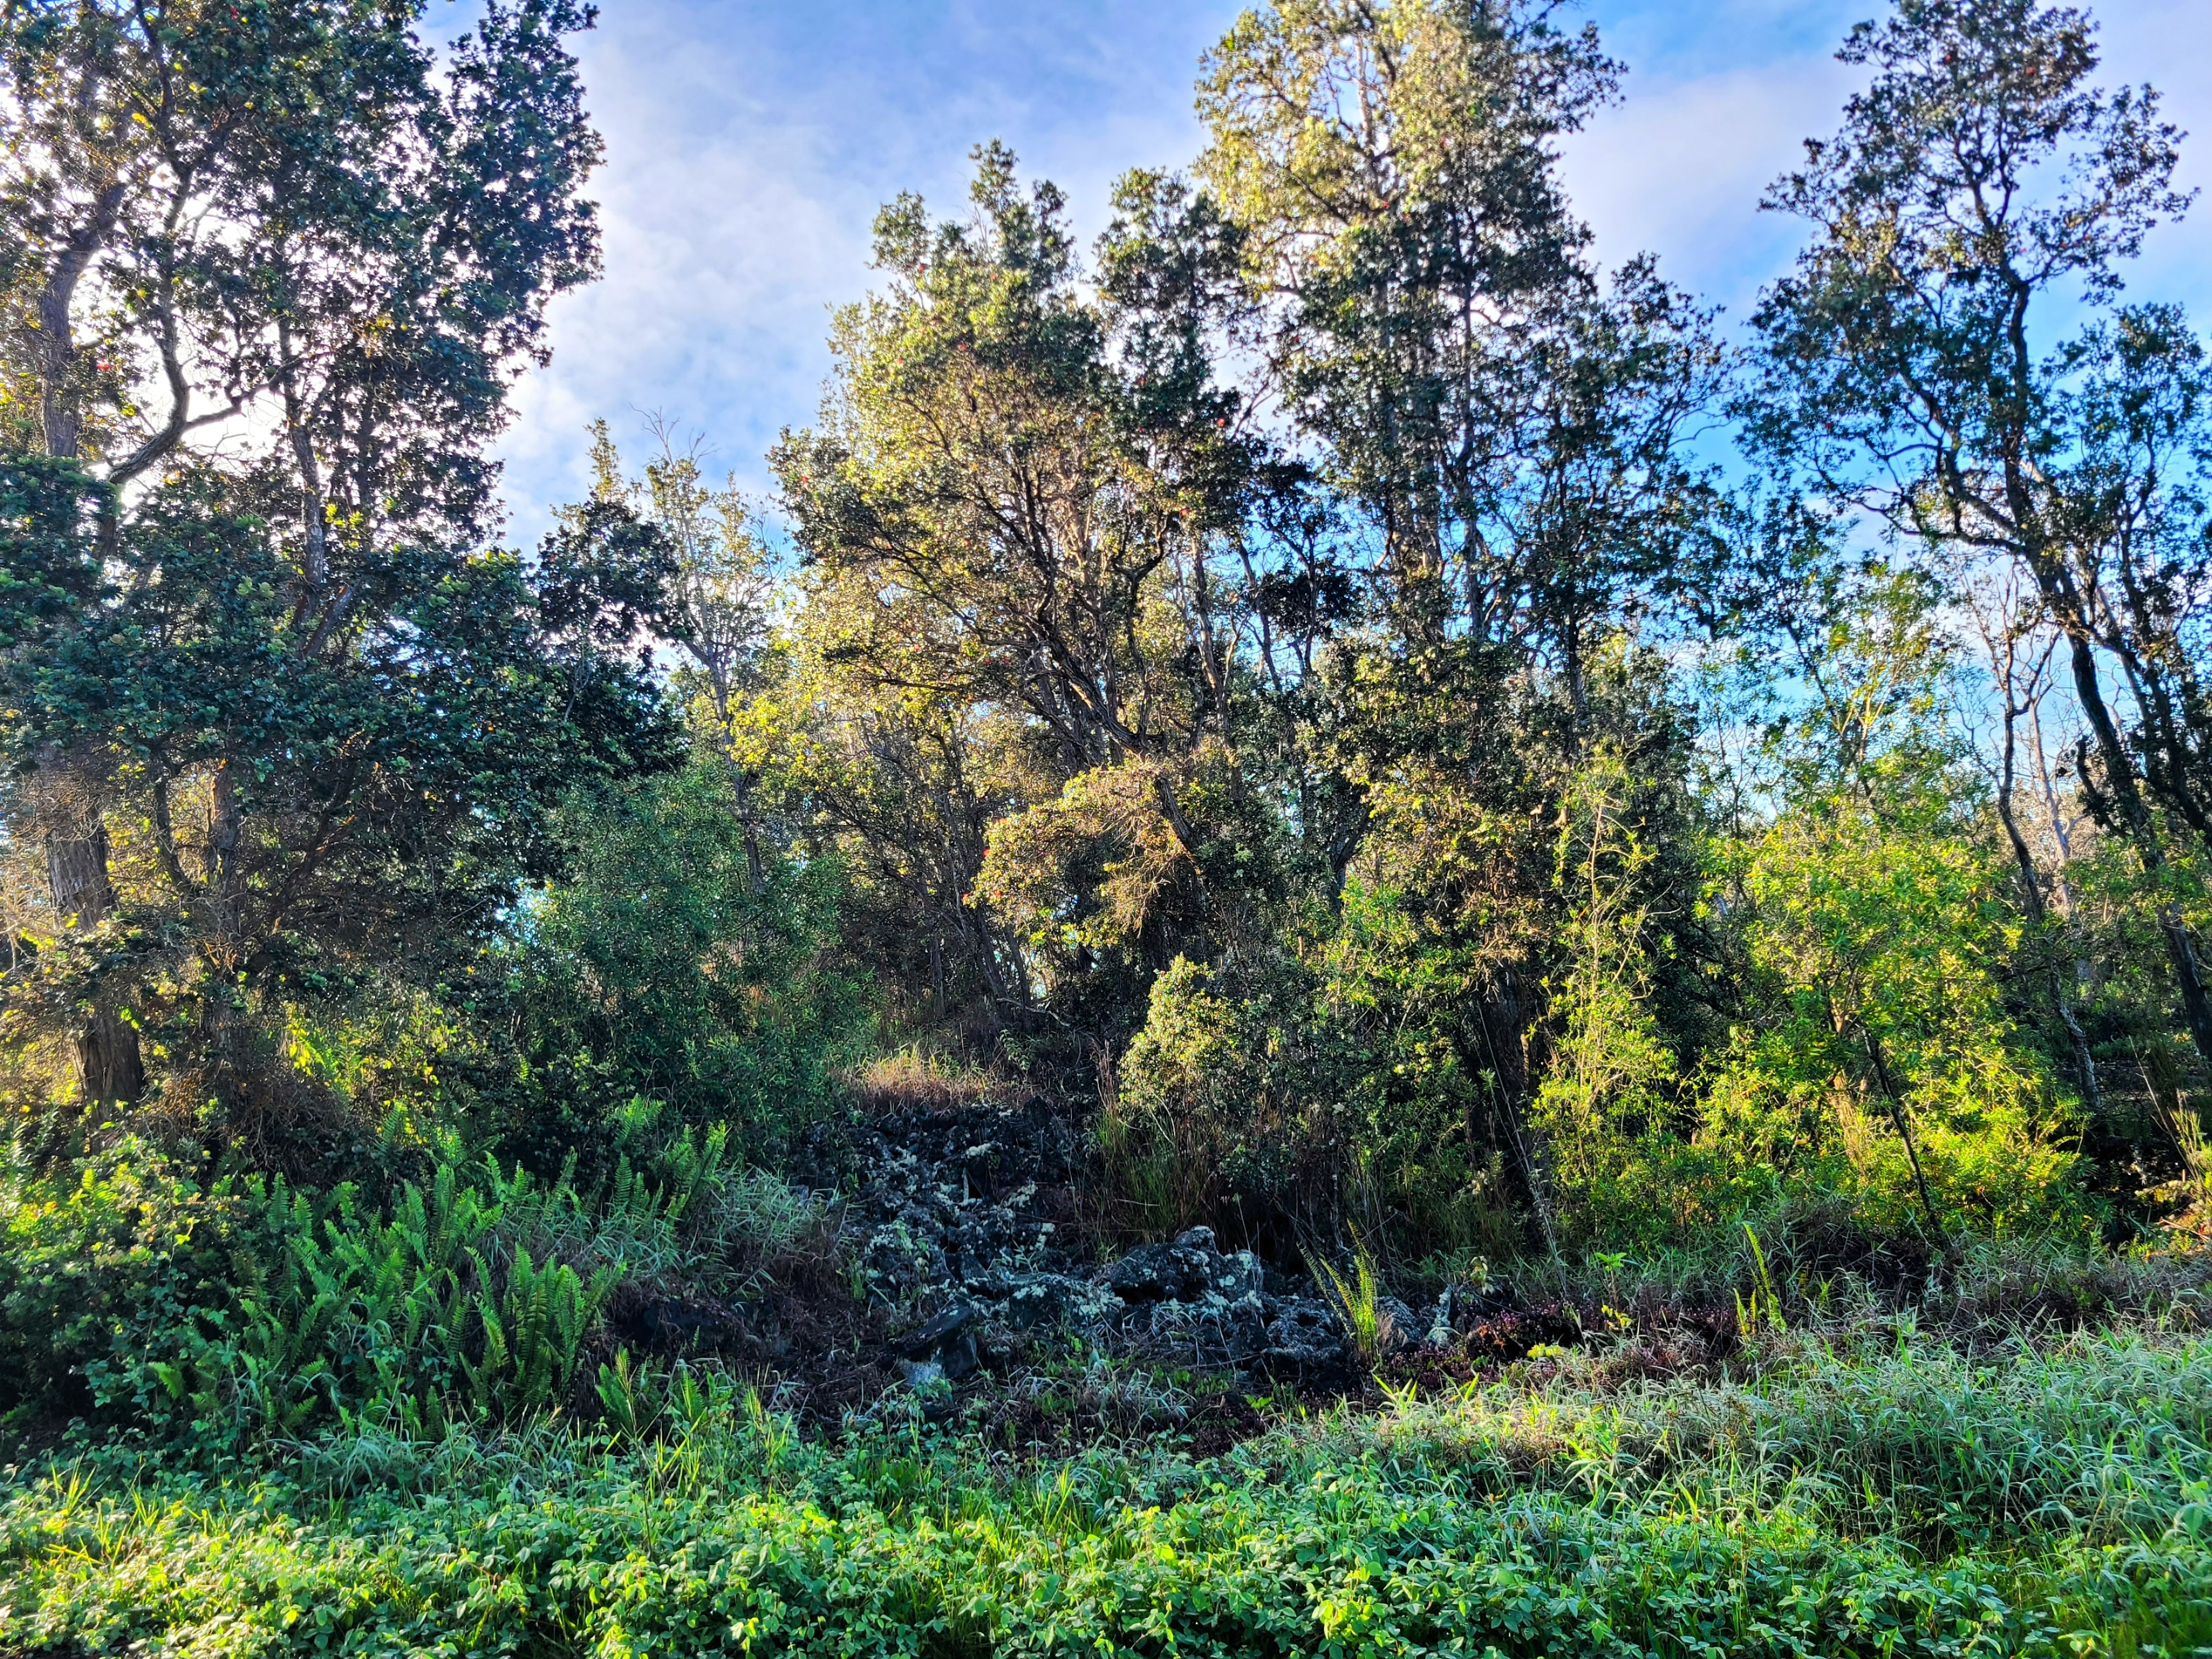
(1868, 1481)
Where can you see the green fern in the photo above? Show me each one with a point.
(1357, 1303)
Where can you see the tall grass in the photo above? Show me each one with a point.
(2101, 1436)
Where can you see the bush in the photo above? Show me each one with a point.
(217, 1315)
(1358, 1069)
(658, 972)
(1214, 1116)
(102, 1262)
(1882, 1062)
(1616, 1170)
(1270, 1100)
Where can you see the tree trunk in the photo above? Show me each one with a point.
(61, 414)
(1897, 1116)
(108, 1065)
(2031, 893)
(1498, 1017)
(2062, 1001)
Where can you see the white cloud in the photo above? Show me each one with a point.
(1679, 169)
(746, 158)
(1719, 102)
(749, 147)
(725, 230)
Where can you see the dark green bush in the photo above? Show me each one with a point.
(220, 1315)
(435, 1311)
(658, 972)
(1281, 1094)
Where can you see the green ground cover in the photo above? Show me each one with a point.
(1864, 1490)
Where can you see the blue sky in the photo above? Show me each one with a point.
(749, 144)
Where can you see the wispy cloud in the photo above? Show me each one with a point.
(748, 146)
(1679, 168)
(748, 150)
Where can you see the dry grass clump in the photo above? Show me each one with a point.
(914, 1080)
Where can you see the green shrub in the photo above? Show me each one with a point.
(1882, 1062)
(225, 1313)
(1602, 1122)
(1209, 1122)
(434, 1311)
(1284, 1092)
(101, 1262)
(660, 971)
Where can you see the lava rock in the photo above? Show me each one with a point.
(1244, 1329)
(931, 1337)
(1162, 1273)
(1240, 1275)
(1304, 1337)
(1036, 1301)
(1192, 1269)
(958, 1356)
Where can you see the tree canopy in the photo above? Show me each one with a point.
(1401, 722)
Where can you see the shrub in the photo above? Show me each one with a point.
(101, 1262)
(1272, 1097)
(660, 971)
(1882, 1060)
(1603, 1117)
(1208, 1121)
(220, 1313)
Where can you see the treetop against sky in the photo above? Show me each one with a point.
(749, 145)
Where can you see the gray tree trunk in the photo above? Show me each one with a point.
(109, 1067)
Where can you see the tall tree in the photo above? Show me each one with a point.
(720, 596)
(1981, 188)
(1013, 523)
(1507, 425)
(1510, 424)
(273, 265)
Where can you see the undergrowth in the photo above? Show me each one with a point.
(1865, 1488)
(213, 1313)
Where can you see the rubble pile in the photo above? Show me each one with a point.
(957, 1230)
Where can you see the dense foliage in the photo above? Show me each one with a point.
(1302, 680)
(1249, 682)
(1447, 767)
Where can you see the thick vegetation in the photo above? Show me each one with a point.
(1874, 1492)
(1340, 720)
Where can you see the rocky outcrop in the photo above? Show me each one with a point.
(957, 1230)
